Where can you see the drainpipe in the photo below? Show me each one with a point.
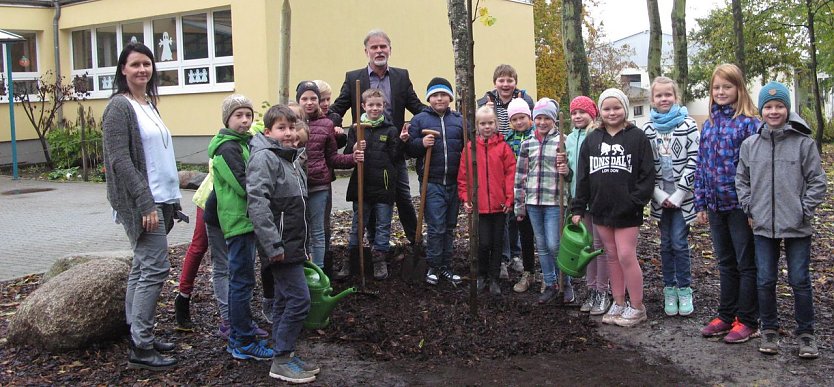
(57, 5)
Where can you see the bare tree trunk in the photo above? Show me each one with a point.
(815, 83)
(579, 78)
(463, 43)
(738, 27)
(655, 39)
(681, 51)
(284, 64)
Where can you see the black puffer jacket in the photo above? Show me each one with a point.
(383, 148)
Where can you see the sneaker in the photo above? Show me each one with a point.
(602, 304)
(504, 274)
(431, 276)
(613, 312)
(259, 333)
(480, 284)
(770, 342)
(494, 288)
(739, 333)
(283, 368)
(548, 294)
(631, 316)
(517, 265)
(448, 275)
(182, 313)
(716, 327)
(344, 272)
(307, 366)
(524, 282)
(380, 267)
(685, 307)
(569, 297)
(808, 346)
(223, 330)
(589, 301)
(266, 309)
(256, 350)
(670, 301)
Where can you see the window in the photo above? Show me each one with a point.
(193, 52)
(24, 64)
(632, 80)
(638, 110)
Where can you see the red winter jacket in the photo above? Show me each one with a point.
(496, 172)
(322, 154)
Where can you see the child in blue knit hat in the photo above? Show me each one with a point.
(781, 161)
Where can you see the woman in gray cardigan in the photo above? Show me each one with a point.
(143, 189)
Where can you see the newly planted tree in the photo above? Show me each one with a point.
(655, 39)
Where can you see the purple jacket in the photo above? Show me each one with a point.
(322, 153)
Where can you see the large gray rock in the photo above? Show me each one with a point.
(66, 262)
(191, 179)
(79, 307)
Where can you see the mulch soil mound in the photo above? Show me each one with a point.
(422, 325)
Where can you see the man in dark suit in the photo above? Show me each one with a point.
(399, 96)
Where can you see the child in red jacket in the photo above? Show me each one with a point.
(496, 173)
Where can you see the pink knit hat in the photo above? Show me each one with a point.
(516, 106)
(586, 104)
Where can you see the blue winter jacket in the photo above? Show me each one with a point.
(445, 156)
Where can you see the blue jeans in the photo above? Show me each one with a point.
(732, 240)
(798, 254)
(674, 249)
(241, 284)
(317, 203)
(292, 303)
(382, 212)
(512, 242)
(441, 216)
(545, 221)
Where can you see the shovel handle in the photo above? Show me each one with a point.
(424, 185)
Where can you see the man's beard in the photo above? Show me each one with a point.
(381, 62)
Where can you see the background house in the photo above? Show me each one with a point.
(208, 49)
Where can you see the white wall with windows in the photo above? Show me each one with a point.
(25, 64)
(193, 52)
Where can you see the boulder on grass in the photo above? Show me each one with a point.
(66, 262)
(79, 307)
(191, 179)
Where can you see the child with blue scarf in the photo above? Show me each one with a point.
(674, 137)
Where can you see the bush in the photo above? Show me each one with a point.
(65, 141)
(828, 124)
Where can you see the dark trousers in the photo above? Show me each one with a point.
(292, 303)
(798, 255)
(491, 229)
(405, 208)
(528, 245)
(732, 240)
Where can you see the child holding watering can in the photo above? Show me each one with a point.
(583, 114)
(615, 181)
(674, 137)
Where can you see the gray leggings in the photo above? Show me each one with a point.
(144, 283)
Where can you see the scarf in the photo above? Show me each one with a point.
(374, 123)
(666, 122)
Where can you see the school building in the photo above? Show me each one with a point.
(209, 49)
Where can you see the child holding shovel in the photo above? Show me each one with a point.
(383, 146)
(496, 170)
(441, 199)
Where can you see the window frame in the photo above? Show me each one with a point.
(18, 76)
(634, 110)
(180, 65)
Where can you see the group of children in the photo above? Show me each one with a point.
(269, 191)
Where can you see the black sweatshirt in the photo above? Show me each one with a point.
(616, 177)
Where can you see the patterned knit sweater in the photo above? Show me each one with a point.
(681, 144)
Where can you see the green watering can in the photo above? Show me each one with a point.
(575, 250)
(321, 303)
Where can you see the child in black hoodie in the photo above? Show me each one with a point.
(616, 180)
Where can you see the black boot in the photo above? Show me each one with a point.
(148, 359)
(182, 310)
(160, 346)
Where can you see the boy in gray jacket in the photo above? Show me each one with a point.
(780, 182)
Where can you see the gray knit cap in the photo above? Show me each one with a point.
(614, 93)
(232, 103)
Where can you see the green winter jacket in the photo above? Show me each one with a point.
(229, 153)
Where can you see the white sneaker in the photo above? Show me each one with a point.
(603, 302)
(613, 313)
(589, 301)
(517, 265)
(504, 275)
(631, 317)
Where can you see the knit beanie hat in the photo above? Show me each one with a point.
(547, 107)
(774, 91)
(304, 86)
(439, 85)
(585, 104)
(232, 103)
(614, 93)
(518, 106)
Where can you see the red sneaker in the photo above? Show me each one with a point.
(715, 327)
(739, 334)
